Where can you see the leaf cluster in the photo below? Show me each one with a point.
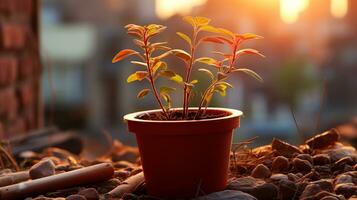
(152, 54)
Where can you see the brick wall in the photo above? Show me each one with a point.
(20, 68)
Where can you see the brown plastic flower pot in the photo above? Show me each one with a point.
(183, 158)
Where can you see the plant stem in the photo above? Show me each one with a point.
(208, 90)
(186, 94)
(151, 79)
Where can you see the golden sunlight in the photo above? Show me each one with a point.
(167, 8)
(339, 8)
(290, 9)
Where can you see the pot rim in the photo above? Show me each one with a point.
(233, 113)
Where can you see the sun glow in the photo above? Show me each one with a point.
(290, 9)
(167, 8)
(339, 8)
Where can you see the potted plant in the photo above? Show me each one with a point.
(185, 151)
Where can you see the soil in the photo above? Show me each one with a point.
(177, 115)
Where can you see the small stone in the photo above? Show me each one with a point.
(324, 194)
(75, 197)
(227, 195)
(321, 159)
(42, 169)
(280, 164)
(305, 157)
(128, 196)
(329, 198)
(302, 165)
(121, 174)
(355, 167)
(287, 189)
(107, 186)
(123, 164)
(278, 177)
(284, 148)
(310, 191)
(89, 194)
(312, 175)
(346, 189)
(293, 177)
(325, 184)
(324, 139)
(261, 171)
(343, 178)
(255, 187)
(343, 161)
(339, 151)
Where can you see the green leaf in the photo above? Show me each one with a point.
(139, 43)
(163, 55)
(166, 90)
(123, 54)
(185, 37)
(208, 72)
(181, 54)
(201, 21)
(249, 51)
(250, 73)
(172, 76)
(209, 28)
(167, 98)
(138, 63)
(207, 60)
(221, 88)
(143, 93)
(154, 29)
(226, 32)
(137, 76)
(159, 65)
(190, 20)
(194, 81)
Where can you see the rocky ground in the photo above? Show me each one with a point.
(322, 168)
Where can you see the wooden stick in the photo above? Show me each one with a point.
(86, 175)
(13, 178)
(128, 186)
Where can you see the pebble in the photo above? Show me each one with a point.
(280, 164)
(343, 178)
(278, 177)
(42, 169)
(343, 161)
(321, 159)
(75, 197)
(310, 190)
(255, 187)
(346, 189)
(307, 157)
(325, 184)
(261, 171)
(89, 194)
(284, 148)
(302, 165)
(324, 139)
(227, 195)
(287, 189)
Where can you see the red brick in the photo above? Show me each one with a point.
(17, 6)
(30, 118)
(16, 127)
(13, 36)
(8, 103)
(2, 132)
(26, 66)
(8, 70)
(26, 94)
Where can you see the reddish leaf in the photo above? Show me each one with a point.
(123, 54)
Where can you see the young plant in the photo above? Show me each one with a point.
(226, 66)
(155, 67)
